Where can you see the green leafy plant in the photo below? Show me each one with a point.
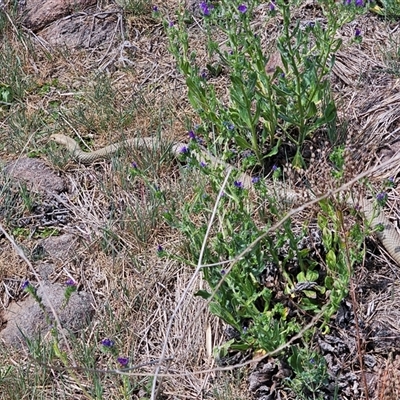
(242, 300)
(310, 374)
(263, 110)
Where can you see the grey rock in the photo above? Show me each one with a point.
(26, 318)
(36, 175)
(60, 247)
(81, 30)
(40, 13)
(45, 270)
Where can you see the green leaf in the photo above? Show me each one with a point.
(331, 259)
(221, 312)
(214, 70)
(223, 350)
(301, 277)
(298, 161)
(275, 149)
(312, 276)
(325, 206)
(310, 294)
(203, 293)
(308, 304)
(243, 143)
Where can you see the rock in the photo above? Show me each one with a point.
(82, 30)
(59, 247)
(36, 175)
(26, 318)
(40, 13)
(45, 270)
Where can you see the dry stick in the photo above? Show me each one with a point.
(154, 392)
(250, 247)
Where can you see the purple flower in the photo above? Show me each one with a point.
(206, 8)
(274, 167)
(238, 184)
(199, 140)
(70, 282)
(134, 165)
(357, 32)
(171, 24)
(159, 249)
(25, 285)
(229, 126)
(203, 164)
(381, 196)
(391, 180)
(247, 153)
(184, 150)
(255, 179)
(223, 272)
(359, 3)
(242, 8)
(271, 6)
(203, 75)
(107, 343)
(155, 9)
(192, 135)
(123, 361)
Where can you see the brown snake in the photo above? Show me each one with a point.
(387, 233)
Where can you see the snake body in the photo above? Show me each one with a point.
(386, 232)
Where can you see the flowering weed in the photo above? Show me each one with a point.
(263, 110)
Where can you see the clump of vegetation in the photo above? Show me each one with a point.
(256, 114)
(264, 109)
(263, 277)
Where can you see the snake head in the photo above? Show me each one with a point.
(66, 141)
(58, 138)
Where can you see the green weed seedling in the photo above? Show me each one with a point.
(310, 374)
